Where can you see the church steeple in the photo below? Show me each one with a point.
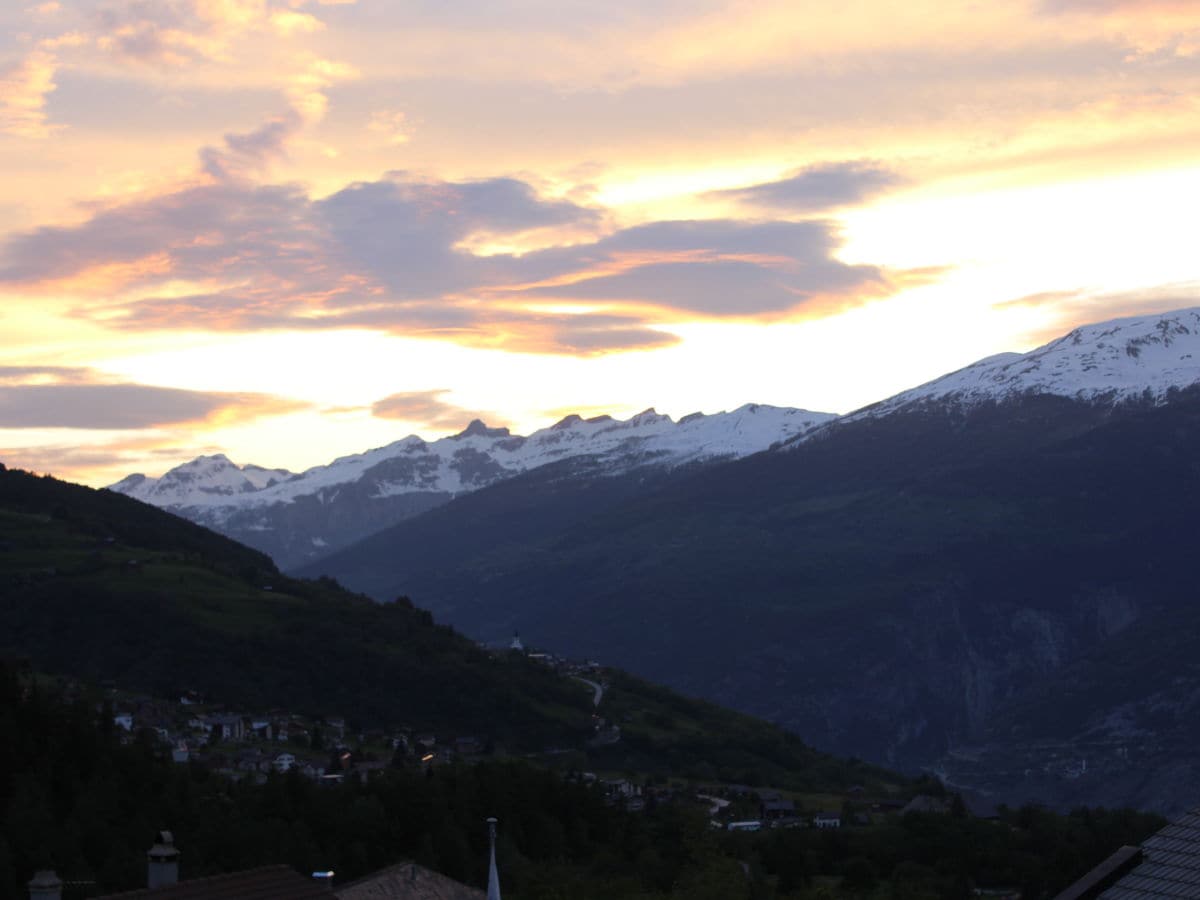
(516, 643)
(493, 876)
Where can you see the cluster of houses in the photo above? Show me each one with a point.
(742, 808)
(730, 804)
(560, 664)
(252, 745)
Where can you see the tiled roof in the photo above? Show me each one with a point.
(407, 881)
(266, 883)
(1171, 865)
(1166, 865)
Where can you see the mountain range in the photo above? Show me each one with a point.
(298, 517)
(989, 575)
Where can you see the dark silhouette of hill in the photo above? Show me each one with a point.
(110, 590)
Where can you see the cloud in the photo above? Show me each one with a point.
(24, 88)
(427, 408)
(288, 22)
(222, 230)
(402, 255)
(101, 462)
(245, 154)
(306, 89)
(1068, 309)
(393, 126)
(251, 152)
(164, 32)
(33, 374)
(717, 268)
(1108, 6)
(37, 396)
(406, 233)
(817, 188)
(179, 32)
(128, 406)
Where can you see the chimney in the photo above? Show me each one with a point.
(162, 862)
(45, 886)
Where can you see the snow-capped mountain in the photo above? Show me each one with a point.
(206, 480)
(1143, 356)
(297, 516)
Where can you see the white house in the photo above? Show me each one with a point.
(749, 825)
(284, 762)
(827, 820)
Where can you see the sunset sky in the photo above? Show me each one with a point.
(293, 229)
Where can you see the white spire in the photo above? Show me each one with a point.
(493, 875)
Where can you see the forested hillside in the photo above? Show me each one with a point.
(112, 591)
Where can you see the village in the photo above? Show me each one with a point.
(250, 746)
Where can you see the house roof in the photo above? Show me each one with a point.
(265, 883)
(407, 881)
(1166, 865)
(924, 803)
(1170, 864)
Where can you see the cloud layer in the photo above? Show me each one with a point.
(818, 188)
(66, 397)
(410, 256)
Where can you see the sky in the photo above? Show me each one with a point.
(289, 230)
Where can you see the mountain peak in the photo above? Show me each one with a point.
(648, 416)
(1105, 362)
(566, 422)
(219, 458)
(478, 428)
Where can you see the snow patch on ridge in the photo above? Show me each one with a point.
(474, 458)
(1142, 356)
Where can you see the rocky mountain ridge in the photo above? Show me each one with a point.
(296, 517)
(1141, 357)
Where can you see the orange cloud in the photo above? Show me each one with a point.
(426, 408)
(288, 22)
(1069, 309)
(394, 256)
(306, 90)
(179, 32)
(24, 88)
(101, 462)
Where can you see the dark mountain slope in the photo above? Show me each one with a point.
(883, 589)
(107, 589)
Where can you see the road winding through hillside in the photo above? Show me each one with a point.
(597, 689)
